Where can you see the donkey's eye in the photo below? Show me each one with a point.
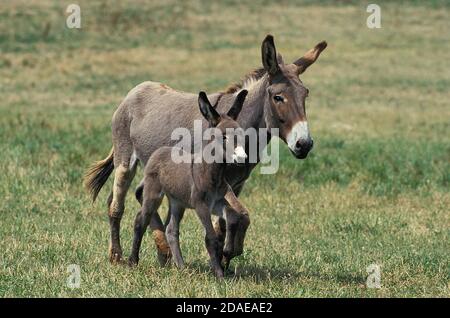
(307, 92)
(278, 98)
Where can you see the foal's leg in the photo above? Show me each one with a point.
(176, 213)
(162, 246)
(151, 202)
(158, 230)
(211, 239)
(123, 176)
(219, 224)
(237, 222)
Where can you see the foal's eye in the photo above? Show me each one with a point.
(278, 98)
(307, 92)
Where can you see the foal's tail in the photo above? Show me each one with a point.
(97, 174)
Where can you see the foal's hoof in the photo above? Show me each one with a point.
(132, 262)
(227, 257)
(164, 258)
(226, 262)
(219, 274)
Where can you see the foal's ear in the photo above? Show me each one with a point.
(269, 55)
(237, 105)
(210, 114)
(310, 57)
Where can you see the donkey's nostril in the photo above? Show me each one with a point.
(304, 144)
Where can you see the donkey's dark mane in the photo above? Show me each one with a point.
(256, 74)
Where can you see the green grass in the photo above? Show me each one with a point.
(375, 190)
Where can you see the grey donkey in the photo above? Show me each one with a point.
(193, 184)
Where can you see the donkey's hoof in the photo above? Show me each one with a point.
(115, 256)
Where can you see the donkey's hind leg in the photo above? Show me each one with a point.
(123, 176)
(176, 213)
(125, 163)
(158, 230)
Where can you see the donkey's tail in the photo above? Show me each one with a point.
(97, 174)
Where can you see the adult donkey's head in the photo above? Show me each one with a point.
(286, 95)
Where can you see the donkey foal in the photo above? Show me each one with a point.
(198, 185)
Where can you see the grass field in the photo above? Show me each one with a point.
(375, 189)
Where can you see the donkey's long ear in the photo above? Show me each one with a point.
(310, 57)
(269, 55)
(237, 105)
(210, 114)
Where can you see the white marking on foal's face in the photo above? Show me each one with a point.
(298, 132)
(239, 154)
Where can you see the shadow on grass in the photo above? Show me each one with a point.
(261, 274)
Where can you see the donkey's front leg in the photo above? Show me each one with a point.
(211, 239)
(220, 227)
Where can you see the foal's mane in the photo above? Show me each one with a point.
(250, 77)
